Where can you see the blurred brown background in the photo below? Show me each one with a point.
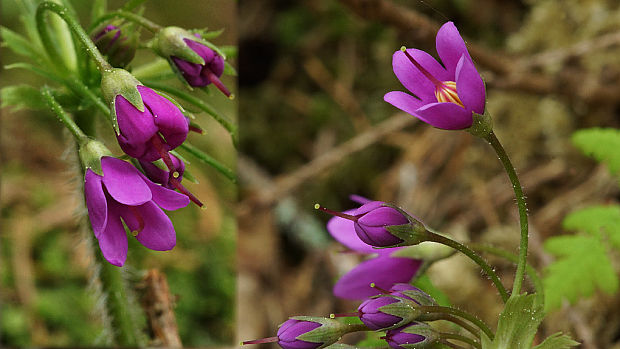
(315, 128)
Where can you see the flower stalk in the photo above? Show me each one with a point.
(132, 17)
(460, 338)
(76, 131)
(473, 256)
(432, 309)
(74, 26)
(516, 186)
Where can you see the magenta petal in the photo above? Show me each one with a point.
(413, 79)
(95, 202)
(447, 116)
(113, 240)
(359, 199)
(172, 124)
(187, 68)
(384, 271)
(469, 86)
(450, 47)
(123, 182)
(403, 101)
(166, 198)
(343, 231)
(203, 51)
(136, 127)
(158, 233)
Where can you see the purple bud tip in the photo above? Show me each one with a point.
(291, 329)
(373, 317)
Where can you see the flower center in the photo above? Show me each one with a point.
(445, 91)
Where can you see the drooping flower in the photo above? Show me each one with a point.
(383, 270)
(383, 312)
(123, 192)
(198, 64)
(443, 96)
(170, 179)
(413, 335)
(113, 41)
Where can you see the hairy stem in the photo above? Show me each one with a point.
(516, 186)
(473, 256)
(430, 309)
(75, 27)
(76, 131)
(458, 337)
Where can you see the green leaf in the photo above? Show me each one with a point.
(22, 97)
(35, 69)
(517, 324)
(601, 144)
(19, 44)
(581, 267)
(596, 220)
(557, 341)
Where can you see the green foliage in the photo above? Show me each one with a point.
(597, 220)
(601, 144)
(582, 266)
(557, 341)
(19, 44)
(21, 97)
(517, 324)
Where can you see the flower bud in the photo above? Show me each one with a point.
(387, 311)
(198, 64)
(114, 42)
(158, 173)
(306, 332)
(413, 293)
(412, 336)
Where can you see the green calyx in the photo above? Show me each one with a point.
(91, 151)
(482, 125)
(405, 309)
(411, 233)
(430, 336)
(170, 42)
(116, 82)
(328, 333)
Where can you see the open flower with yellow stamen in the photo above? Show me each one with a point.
(443, 96)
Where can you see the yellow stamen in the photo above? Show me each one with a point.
(447, 93)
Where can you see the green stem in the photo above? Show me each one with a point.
(531, 272)
(131, 4)
(227, 124)
(458, 321)
(473, 256)
(516, 185)
(76, 131)
(430, 309)
(209, 161)
(132, 17)
(460, 338)
(450, 345)
(119, 310)
(75, 27)
(356, 328)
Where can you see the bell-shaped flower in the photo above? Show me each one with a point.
(306, 332)
(445, 96)
(383, 270)
(124, 194)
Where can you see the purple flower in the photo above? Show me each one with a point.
(125, 193)
(447, 97)
(167, 179)
(200, 75)
(406, 336)
(151, 134)
(372, 218)
(383, 270)
(371, 315)
(113, 43)
(291, 329)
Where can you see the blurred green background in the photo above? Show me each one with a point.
(46, 294)
(315, 128)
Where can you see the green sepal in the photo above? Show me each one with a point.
(557, 341)
(517, 324)
(204, 33)
(430, 336)
(482, 126)
(328, 333)
(90, 153)
(169, 42)
(405, 309)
